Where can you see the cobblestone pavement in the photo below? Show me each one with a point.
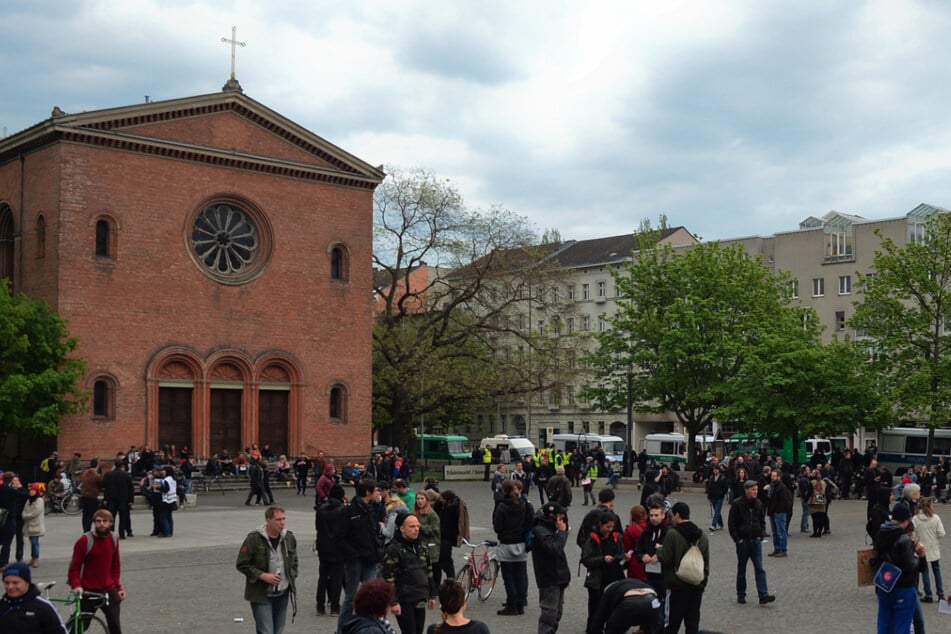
(189, 584)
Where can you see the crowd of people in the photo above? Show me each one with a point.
(386, 550)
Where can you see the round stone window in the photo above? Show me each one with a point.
(229, 240)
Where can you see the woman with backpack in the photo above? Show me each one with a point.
(817, 505)
(604, 557)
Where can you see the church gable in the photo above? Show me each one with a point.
(228, 131)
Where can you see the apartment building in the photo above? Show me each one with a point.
(823, 258)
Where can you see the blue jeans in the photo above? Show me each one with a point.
(896, 609)
(717, 518)
(35, 547)
(750, 550)
(354, 573)
(926, 578)
(804, 520)
(778, 522)
(269, 617)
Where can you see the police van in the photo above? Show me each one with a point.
(506, 444)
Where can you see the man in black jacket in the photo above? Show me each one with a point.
(896, 609)
(327, 521)
(747, 526)
(359, 545)
(552, 575)
(627, 603)
(118, 492)
(777, 505)
(22, 608)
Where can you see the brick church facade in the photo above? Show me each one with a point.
(213, 259)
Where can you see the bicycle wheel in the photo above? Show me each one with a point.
(47, 505)
(94, 625)
(71, 505)
(490, 573)
(465, 579)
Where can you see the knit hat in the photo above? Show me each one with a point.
(39, 487)
(910, 490)
(900, 512)
(19, 569)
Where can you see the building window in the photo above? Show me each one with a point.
(617, 290)
(571, 325)
(105, 239)
(339, 263)
(602, 324)
(602, 290)
(555, 295)
(521, 322)
(806, 316)
(338, 404)
(840, 320)
(41, 236)
(556, 326)
(229, 240)
(839, 245)
(918, 233)
(104, 397)
(585, 292)
(541, 326)
(570, 391)
(794, 289)
(818, 286)
(845, 284)
(571, 292)
(585, 323)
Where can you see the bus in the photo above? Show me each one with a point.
(613, 445)
(671, 448)
(770, 445)
(907, 446)
(444, 447)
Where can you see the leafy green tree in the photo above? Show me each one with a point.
(693, 318)
(906, 301)
(793, 386)
(38, 374)
(450, 284)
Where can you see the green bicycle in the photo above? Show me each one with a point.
(80, 622)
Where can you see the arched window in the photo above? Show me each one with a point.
(105, 238)
(338, 404)
(41, 236)
(7, 244)
(339, 263)
(104, 397)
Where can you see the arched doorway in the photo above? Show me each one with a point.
(226, 399)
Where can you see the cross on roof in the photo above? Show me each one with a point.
(233, 42)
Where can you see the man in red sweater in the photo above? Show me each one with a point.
(96, 568)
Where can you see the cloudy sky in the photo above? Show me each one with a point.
(732, 118)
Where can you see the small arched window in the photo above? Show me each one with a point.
(102, 238)
(104, 398)
(41, 236)
(338, 404)
(339, 263)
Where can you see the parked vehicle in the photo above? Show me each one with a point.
(613, 446)
(671, 448)
(505, 443)
(444, 447)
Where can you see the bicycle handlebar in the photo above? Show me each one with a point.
(488, 542)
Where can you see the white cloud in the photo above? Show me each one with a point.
(731, 117)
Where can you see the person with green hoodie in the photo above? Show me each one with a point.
(683, 598)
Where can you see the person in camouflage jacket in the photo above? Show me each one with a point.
(407, 566)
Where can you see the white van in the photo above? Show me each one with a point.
(613, 445)
(522, 445)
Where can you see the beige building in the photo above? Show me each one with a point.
(823, 258)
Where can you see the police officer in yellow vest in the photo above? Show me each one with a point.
(589, 474)
(487, 461)
(559, 459)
